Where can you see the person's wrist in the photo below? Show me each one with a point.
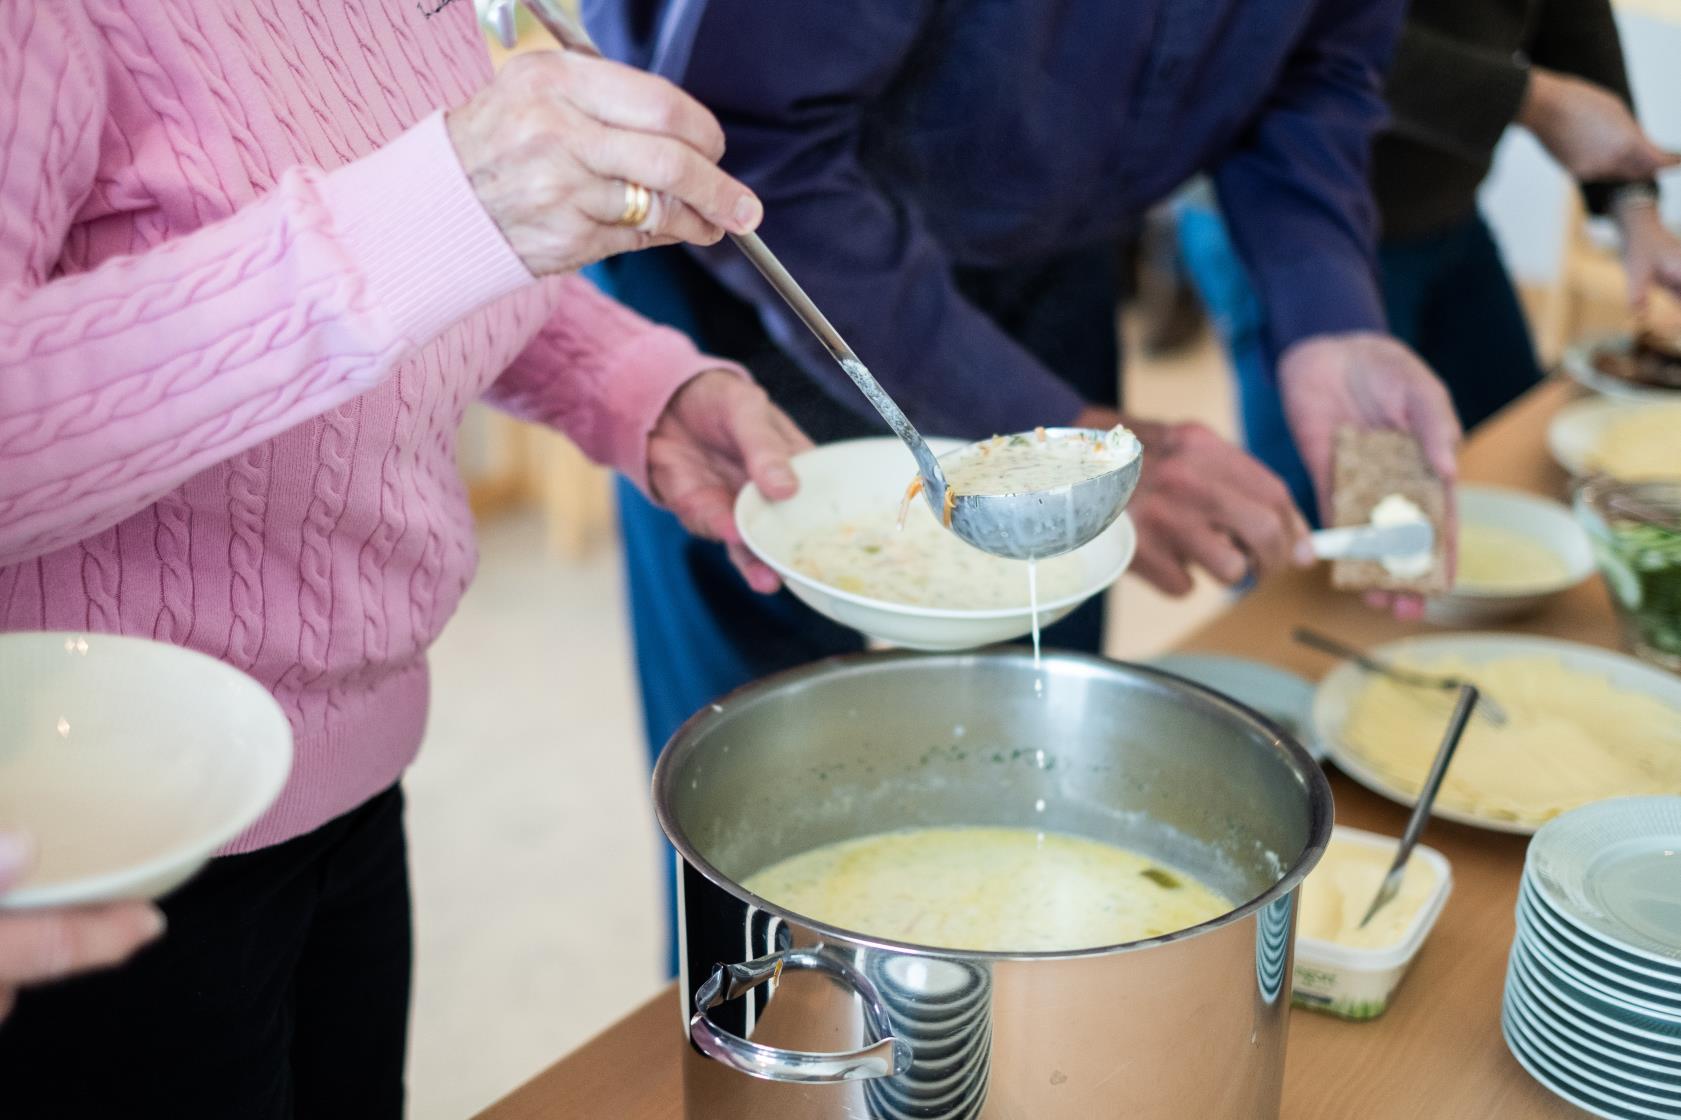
(1634, 204)
(1539, 106)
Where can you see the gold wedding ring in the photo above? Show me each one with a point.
(639, 200)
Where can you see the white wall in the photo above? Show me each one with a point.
(1524, 198)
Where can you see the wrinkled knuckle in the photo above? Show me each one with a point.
(665, 167)
(530, 71)
(665, 110)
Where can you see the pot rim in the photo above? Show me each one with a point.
(1316, 787)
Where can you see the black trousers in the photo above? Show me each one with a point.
(280, 991)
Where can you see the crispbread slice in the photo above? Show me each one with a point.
(1369, 466)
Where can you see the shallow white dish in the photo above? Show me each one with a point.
(855, 478)
(128, 762)
(1605, 1032)
(1580, 1034)
(1582, 1051)
(1605, 985)
(1613, 869)
(1660, 1033)
(1276, 693)
(1582, 1089)
(1336, 694)
(1622, 964)
(1575, 432)
(1547, 523)
(1578, 363)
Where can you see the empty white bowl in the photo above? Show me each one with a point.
(857, 479)
(1547, 523)
(128, 762)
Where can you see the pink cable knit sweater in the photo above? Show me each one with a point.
(246, 295)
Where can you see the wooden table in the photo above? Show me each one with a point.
(1437, 1053)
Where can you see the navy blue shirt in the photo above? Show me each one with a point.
(892, 139)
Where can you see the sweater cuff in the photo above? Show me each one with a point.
(655, 366)
(411, 223)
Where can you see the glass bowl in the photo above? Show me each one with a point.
(1635, 528)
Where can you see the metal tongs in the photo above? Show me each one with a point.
(1026, 526)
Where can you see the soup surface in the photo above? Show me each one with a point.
(1036, 461)
(925, 566)
(1499, 558)
(1640, 444)
(988, 889)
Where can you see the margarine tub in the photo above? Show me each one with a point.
(1346, 970)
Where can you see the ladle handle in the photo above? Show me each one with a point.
(752, 246)
(572, 35)
(887, 1056)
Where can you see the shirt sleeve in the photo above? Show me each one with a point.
(1451, 94)
(1295, 186)
(602, 375)
(791, 84)
(1579, 37)
(120, 383)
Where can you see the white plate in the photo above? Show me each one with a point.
(1545, 1003)
(1594, 1070)
(1663, 1033)
(1637, 1000)
(857, 478)
(1575, 432)
(128, 762)
(1578, 363)
(1337, 692)
(1578, 1049)
(1276, 693)
(1614, 870)
(1569, 1035)
(1545, 522)
(1577, 1085)
(1623, 966)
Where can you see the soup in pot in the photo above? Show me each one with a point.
(989, 889)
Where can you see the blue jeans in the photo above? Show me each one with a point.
(1447, 295)
(699, 631)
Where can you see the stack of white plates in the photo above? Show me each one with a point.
(1593, 989)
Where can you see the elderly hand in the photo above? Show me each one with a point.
(1368, 380)
(719, 431)
(1589, 129)
(1202, 502)
(38, 946)
(1651, 253)
(551, 143)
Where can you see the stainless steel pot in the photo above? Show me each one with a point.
(790, 1019)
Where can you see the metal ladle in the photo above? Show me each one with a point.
(1029, 525)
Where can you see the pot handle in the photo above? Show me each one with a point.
(886, 1057)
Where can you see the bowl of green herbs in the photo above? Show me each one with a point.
(1635, 528)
